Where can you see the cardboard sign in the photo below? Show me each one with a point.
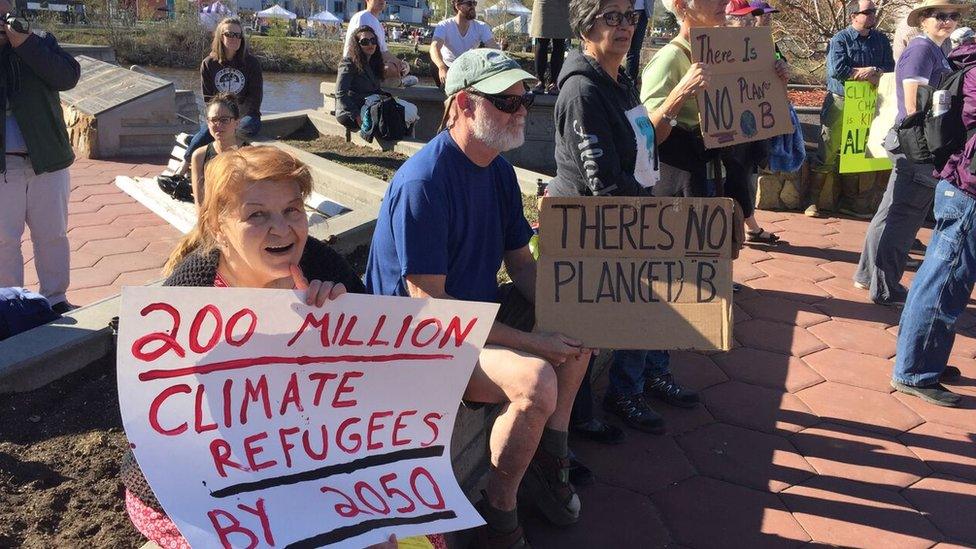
(745, 99)
(860, 100)
(259, 421)
(636, 273)
(886, 111)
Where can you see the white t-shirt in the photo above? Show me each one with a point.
(359, 19)
(455, 44)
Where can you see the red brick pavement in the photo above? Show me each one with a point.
(800, 439)
(115, 241)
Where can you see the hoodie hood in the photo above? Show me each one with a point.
(579, 64)
(963, 56)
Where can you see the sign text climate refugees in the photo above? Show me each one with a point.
(745, 100)
(269, 405)
(687, 244)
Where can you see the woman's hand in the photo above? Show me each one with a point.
(695, 80)
(390, 543)
(782, 70)
(317, 292)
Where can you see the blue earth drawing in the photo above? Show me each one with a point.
(748, 123)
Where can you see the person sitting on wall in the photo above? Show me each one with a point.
(458, 34)
(229, 68)
(223, 116)
(360, 75)
(252, 232)
(393, 67)
(450, 217)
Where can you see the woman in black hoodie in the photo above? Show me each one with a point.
(606, 146)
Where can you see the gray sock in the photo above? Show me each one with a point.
(497, 519)
(555, 443)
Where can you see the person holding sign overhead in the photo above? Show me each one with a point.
(606, 146)
(252, 232)
(451, 215)
(911, 186)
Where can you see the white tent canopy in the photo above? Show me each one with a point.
(511, 7)
(518, 25)
(325, 17)
(275, 12)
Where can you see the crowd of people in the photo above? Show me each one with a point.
(452, 215)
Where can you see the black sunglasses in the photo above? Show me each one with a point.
(947, 16)
(508, 104)
(229, 34)
(614, 18)
(368, 41)
(871, 11)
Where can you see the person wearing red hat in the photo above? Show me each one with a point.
(741, 8)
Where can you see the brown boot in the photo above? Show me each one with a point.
(546, 484)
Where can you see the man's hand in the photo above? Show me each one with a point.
(782, 70)
(555, 348)
(442, 73)
(862, 73)
(15, 38)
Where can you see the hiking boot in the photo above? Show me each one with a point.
(935, 393)
(665, 388)
(546, 484)
(598, 431)
(579, 474)
(951, 373)
(635, 412)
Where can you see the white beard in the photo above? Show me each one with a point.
(497, 136)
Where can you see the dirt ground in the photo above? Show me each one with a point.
(379, 164)
(59, 464)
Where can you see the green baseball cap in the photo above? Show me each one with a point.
(484, 69)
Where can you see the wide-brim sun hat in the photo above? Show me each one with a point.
(486, 70)
(954, 5)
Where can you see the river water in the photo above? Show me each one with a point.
(282, 91)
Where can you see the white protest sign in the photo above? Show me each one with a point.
(259, 421)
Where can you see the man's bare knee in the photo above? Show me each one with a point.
(534, 387)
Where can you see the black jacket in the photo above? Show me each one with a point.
(319, 262)
(31, 77)
(352, 88)
(241, 77)
(596, 150)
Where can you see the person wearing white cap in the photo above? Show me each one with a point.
(450, 217)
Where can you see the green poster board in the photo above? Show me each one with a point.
(860, 99)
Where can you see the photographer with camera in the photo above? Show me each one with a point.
(34, 178)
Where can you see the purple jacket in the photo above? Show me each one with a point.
(956, 170)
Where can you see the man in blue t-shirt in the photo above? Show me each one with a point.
(451, 216)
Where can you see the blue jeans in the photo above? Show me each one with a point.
(636, 43)
(940, 291)
(631, 367)
(248, 126)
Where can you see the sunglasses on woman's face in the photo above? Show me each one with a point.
(508, 104)
(368, 41)
(220, 120)
(615, 18)
(229, 34)
(947, 16)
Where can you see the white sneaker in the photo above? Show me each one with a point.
(861, 286)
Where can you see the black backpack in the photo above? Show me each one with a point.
(388, 120)
(928, 139)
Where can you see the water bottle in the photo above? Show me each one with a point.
(941, 101)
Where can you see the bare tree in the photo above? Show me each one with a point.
(804, 27)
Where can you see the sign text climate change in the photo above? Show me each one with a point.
(745, 99)
(860, 109)
(636, 273)
(261, 422)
